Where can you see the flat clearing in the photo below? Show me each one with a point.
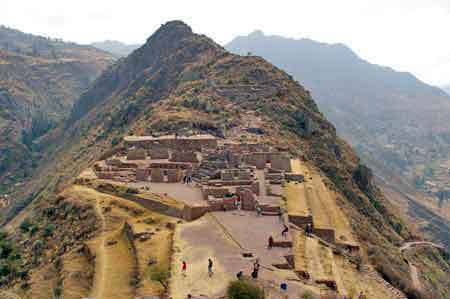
(224, 236)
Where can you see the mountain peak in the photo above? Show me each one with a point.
(256, 34)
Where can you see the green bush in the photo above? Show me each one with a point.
(307, 295)
(156, 273)
(25, 225)
(244, 290)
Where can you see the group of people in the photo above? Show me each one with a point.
(187, 179)
(210, 268)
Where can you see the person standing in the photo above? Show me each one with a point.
(184, 268)
(210, 267)
(270, 242)
(285, 231)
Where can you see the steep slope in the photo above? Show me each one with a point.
(118, 49)
(181, 82)
(391, 117)
(40, 79)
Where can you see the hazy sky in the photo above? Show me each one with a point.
(408, 35)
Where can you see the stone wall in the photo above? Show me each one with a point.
(294, 177)
(281, 162)
(184, 156)
(169, 165)
(325, 234)
(193, 213)
(300, 221)
(136, 154)
(159, 153)
(142, 174)
(157, 175)
(215, 192)
(174, 175)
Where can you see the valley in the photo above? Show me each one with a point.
(182, 151)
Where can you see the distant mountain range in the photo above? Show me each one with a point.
(118, 49)
(390, 117)
(446, 89)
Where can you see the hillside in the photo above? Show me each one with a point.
(183, 94)
(118, 49)
(40, 78)
(389, 117)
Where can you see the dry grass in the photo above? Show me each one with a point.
(116, 264)
(355, 281)
(296, 199)
(43, 282)
(77, 273)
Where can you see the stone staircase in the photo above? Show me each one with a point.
(372, 274)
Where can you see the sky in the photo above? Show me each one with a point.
(408, 35)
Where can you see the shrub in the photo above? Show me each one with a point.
(244, 290)
(25, 225)
(158, 274)
(48, 231)
(307, 295)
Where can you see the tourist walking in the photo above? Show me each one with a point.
(258, 211)
(210, 267)
(183, 268)
(308, 229)
(270, 242)
(285, 231)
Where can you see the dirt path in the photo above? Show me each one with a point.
(415, 277)
(101, 258)
(114, 263)
(408, 245)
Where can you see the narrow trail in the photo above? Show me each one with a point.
(415, 277)
(408, 245)
(99, 284)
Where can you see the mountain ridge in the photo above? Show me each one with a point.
(184, 83)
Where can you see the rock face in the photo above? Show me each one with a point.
(40, 79)
(184, 82)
